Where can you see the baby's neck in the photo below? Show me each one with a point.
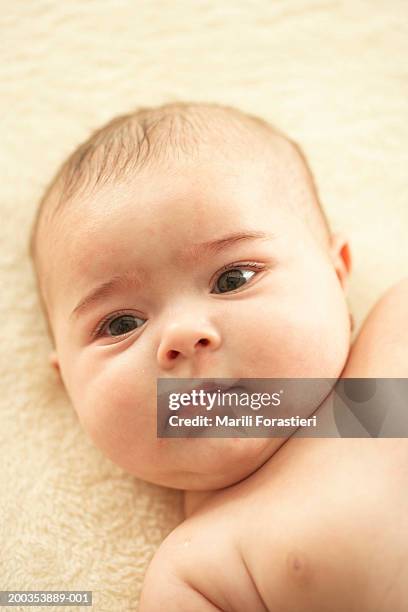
(194, 499)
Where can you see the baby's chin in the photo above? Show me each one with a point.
(215, 463)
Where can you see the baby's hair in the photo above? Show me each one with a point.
(142, 138)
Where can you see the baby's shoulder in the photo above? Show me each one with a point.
(380, 349)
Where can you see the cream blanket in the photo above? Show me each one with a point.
(332, 74)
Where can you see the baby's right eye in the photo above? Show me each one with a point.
(118, 325)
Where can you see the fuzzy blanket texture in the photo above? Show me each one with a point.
(332, 74)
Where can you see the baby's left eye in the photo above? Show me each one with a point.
(232, 279)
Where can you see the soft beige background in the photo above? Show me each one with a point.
(332, 74)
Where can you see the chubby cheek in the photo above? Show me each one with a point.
(114, 408)
(296, 338)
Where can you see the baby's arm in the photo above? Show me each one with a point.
(165, 589)
(381, 348)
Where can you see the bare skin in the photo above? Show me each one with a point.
(319, 527)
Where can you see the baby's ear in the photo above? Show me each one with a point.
(55, 363)
(341, 257)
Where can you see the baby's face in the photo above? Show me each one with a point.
(176, 313)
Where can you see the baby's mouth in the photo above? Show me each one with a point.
(208, 401)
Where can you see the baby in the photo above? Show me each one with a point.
(203, 224)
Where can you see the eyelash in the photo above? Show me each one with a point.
(106, 320)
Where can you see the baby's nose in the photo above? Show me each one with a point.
(186, 340)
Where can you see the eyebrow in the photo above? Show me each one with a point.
(190, 255)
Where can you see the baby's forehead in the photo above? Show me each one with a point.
(223, 151)
(204, 189)
(188, 206)
(230, 180)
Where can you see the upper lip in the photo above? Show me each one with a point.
(212, 385)
(207, 384)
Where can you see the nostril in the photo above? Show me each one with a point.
(172, 354)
